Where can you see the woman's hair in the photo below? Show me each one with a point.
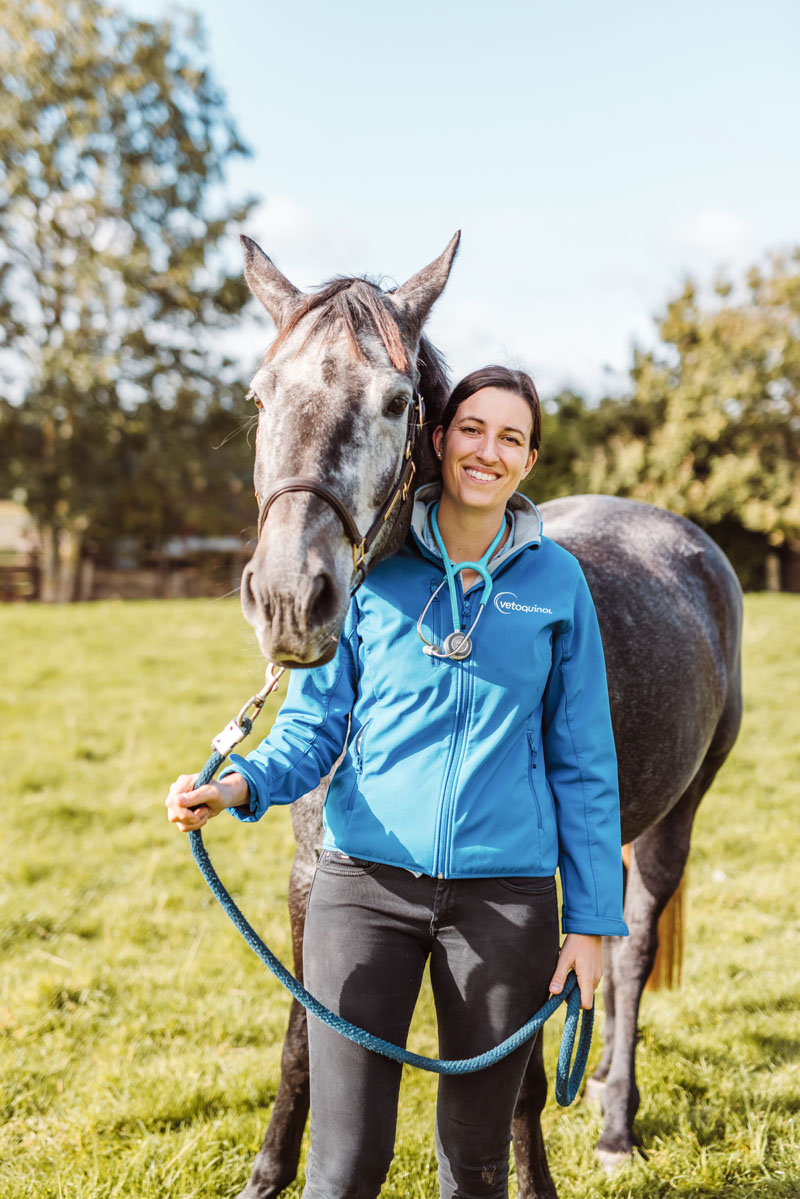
(497, 376)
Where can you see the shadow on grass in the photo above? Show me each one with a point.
(186, 1113)
(774, 1046)
(786, 1001)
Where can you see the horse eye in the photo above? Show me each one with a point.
(397, 405)
(251, 395)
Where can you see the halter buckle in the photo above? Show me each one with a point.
(359, 553)
(408, 482)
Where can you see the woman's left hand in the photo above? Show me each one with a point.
(582, 953)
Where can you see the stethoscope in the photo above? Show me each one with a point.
(457, 645)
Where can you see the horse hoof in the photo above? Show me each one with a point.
(593, 1091)
(611, 1161)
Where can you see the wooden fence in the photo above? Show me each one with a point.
(212, 575)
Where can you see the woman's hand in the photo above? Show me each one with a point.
(213, 797)
(583, 954)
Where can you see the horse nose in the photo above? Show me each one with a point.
(314, 604)
(293, 613)
(252, 604)
(323, 600)
(297, 613)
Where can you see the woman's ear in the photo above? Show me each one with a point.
(534, 454)
(438, 440)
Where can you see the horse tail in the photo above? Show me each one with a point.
(667, 971)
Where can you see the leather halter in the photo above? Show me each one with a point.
(400, 491)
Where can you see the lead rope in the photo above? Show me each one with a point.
(568, 1080)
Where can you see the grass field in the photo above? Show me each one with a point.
(141, 1038)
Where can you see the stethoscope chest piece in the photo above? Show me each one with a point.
(457, 645)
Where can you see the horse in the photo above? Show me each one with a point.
(341, 446)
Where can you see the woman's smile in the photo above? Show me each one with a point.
(480, 475)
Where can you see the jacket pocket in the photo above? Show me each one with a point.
(359, 754)
(533, 766)
(433, 620)
(358, 765)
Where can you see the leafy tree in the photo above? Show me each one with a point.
(113, 144)
(565, 431)
(711, 428)
(572, 432)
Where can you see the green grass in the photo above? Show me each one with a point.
(141, 1038)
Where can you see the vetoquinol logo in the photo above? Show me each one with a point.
(507, 602)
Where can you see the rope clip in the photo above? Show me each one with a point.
(239, 728)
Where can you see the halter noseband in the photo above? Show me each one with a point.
(400, 491)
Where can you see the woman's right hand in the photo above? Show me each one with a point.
(213, 798)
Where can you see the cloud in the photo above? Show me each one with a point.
(714, 234)
(628, 280)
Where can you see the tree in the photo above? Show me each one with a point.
(572, 430)
(113, 144)
(711, 428)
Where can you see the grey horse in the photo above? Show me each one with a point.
(337, 395)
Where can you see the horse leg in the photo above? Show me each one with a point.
(658, 859)
(275, 1166)
(595, 1084)
(533, 1176)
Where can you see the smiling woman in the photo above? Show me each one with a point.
(487, 443)
(469, 772)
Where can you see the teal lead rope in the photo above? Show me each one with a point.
(568, 1080)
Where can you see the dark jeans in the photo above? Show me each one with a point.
(493, 946)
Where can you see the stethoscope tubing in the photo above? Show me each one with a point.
(451, 570)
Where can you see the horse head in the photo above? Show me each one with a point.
(340, 446)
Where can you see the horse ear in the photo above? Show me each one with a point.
(414, 300)
(276, 293)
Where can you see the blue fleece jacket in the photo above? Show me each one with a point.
(502, 764)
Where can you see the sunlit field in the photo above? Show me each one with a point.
(141, 1038)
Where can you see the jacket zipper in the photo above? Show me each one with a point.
(455, 758)
(467, 679)
(532, 765)
(441, 821)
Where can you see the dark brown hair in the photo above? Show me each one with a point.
(497, 376)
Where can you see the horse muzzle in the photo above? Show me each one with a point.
(297, 614)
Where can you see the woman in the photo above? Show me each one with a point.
(470, 773)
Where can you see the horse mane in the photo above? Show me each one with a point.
(358, 303)
(434, 385)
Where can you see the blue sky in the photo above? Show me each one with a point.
(592, 154)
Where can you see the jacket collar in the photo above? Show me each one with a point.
(526, 525)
